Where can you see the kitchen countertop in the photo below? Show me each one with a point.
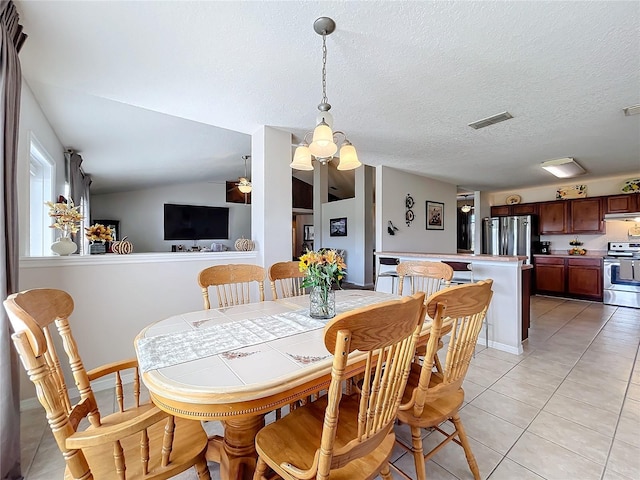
(469, 257)
(558, 254)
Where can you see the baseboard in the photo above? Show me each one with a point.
(97, 386)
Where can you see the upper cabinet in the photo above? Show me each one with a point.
(578, 215)
(553, 217)
(586, 216)
(622, 203)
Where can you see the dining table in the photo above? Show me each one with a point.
(236, 364)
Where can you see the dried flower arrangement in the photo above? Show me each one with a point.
(98, 233)
(67, 216)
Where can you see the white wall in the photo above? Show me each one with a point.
(141, 213)
(116, 296)
(615, 231)
(33, 122)
(595, 188)
(392, 186)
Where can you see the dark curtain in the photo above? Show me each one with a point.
(79, 184)
(11, 40)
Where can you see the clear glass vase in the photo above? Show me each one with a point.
(322, 302)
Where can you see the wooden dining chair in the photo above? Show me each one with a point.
(142, 440)
(349, 436)
(232, 283)
(431, 398)
(288, 277)
(427, 277)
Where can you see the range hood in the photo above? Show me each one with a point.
(628, 217)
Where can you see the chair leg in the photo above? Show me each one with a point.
(261, 469)
(202, 470)
(385, 473)
(471, 460)
(418, 454)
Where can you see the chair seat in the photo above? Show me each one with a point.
(296, 437)
(435, 412)
(190, 441)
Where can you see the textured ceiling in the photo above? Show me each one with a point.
(404, 79)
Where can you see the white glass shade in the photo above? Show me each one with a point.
(563, 167)
(244, 185)
(323, 145)
(465, 208)
(302, 159)
(348, 158)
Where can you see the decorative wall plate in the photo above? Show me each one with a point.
(408, 216)
(513, 199)
(571, 191)
(632, 186)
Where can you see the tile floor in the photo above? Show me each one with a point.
(569, 408)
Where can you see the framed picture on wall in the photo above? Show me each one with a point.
(308, 233)
(435, 215)
(338, 227)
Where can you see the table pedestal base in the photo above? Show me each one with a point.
(236, 452)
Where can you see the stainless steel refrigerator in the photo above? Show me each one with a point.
(516, 235)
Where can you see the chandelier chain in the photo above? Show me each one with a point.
(324, 68)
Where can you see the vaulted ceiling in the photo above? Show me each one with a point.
(161, 92)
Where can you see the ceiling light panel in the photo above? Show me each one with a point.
(631, 110)
(563, 167)
(485, 122)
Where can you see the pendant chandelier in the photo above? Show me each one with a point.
(244, 185)
(466, 208)
(324, 141)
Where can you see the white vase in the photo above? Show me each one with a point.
(64, 246)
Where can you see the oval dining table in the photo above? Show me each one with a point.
(236, 364)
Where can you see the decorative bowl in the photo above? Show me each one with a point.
(576, 251)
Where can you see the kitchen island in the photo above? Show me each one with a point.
(508, 315)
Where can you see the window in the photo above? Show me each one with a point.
(41, 175)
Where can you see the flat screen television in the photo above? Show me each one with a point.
(194, 222)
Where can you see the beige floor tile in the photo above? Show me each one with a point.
(628, 431)
(624, 459)
(500, 355)
(490, 363)
(557, 356)
(631, 409)
(609, 398)
(546, 366)
(611, 475)
(594, 418)
(452, 457)
(587, 373)
(434, 471)
(634, 392)
(472, 390)
(510, 470)
(535, 396)
(572, 436)
(507, 408)
(482, 376)
(490, 430)
(533, 377)
(551, 461)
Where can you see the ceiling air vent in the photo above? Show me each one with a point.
(485, 122)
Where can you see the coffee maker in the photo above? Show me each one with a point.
(545, 248)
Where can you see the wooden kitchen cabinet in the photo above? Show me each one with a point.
(584, 278)
(550, 274)
(524, 209)
(586, 216)
(628, 203)
(573, 277)
(501, 211)
(553, 217)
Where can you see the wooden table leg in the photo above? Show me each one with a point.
(238, 454)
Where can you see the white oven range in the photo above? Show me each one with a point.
(622, 275)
